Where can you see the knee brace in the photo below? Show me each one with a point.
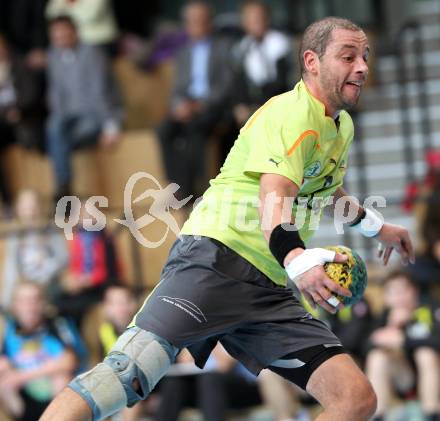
(134, 365)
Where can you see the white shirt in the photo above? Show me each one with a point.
(260, 57)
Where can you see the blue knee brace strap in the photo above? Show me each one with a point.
(138, 357)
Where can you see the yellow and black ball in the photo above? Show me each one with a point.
(351, 274)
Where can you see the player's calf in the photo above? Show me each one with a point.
(127, 375)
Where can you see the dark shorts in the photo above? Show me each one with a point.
(209, 293)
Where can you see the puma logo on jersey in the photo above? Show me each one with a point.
(275, 162)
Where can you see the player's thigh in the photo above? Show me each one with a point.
(339, 379)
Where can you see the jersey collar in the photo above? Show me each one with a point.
(320, 105)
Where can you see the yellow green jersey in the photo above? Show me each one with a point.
(289, 135)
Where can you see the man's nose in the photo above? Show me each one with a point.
(362, 66)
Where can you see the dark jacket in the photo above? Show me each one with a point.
(219, 73)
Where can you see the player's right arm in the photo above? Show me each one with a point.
(275, 191)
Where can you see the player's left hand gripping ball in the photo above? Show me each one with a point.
(351, 274)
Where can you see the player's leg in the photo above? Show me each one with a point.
(181, 311)
(379, 370)
(69, 406)
(59, 149)
(333, 379)
(127, 375)
(278, 394)
(428, 383)
(343, 390)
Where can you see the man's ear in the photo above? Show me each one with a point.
(311, 62)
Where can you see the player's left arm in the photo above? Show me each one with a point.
(372, 224)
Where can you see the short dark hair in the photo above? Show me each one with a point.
(399, 273)
(62, 19)
(258, 3)
(317, 36)
(116, 284)
(202, 3)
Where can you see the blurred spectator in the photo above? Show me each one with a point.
(21, 113)
(118, 307)
(24, 25)
(202, 79)
(95, 20)
(407, 336)
(139, 18)
(35, 363)
(92, 264)
(417, 191)
(166, 44)
(262, 68)
(263, 60)
(83, 99)
(426, 270)
(352, 325)
(213, 390)
(281, 397)
(36, 252)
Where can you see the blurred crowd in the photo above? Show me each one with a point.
(64, 303)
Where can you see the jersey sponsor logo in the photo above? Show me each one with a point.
(314, 135)
(313, 169)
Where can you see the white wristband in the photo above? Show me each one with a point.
(308, 259)
(371, 224)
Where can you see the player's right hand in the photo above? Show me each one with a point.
(306, 270)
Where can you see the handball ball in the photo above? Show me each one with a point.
(351, 275)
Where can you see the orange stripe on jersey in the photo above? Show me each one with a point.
(255, 115)
(301, 138)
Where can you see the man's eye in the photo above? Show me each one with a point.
(347, 58)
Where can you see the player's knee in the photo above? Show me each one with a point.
(133, 367)
(359, 401)
(378, 361)
(426, 359)
(369, 400)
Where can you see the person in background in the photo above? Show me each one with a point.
(426, 270)
(201, 87)
(35, 362)
(263, 66)
(21, 112)
(85, 108)
(211, 390)
(263, 61)
(95, 21)
(92, 264)
(281, 397)
(406, 337)
(36, 251)
(352, 325)
(24, 25)
(118, 308)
